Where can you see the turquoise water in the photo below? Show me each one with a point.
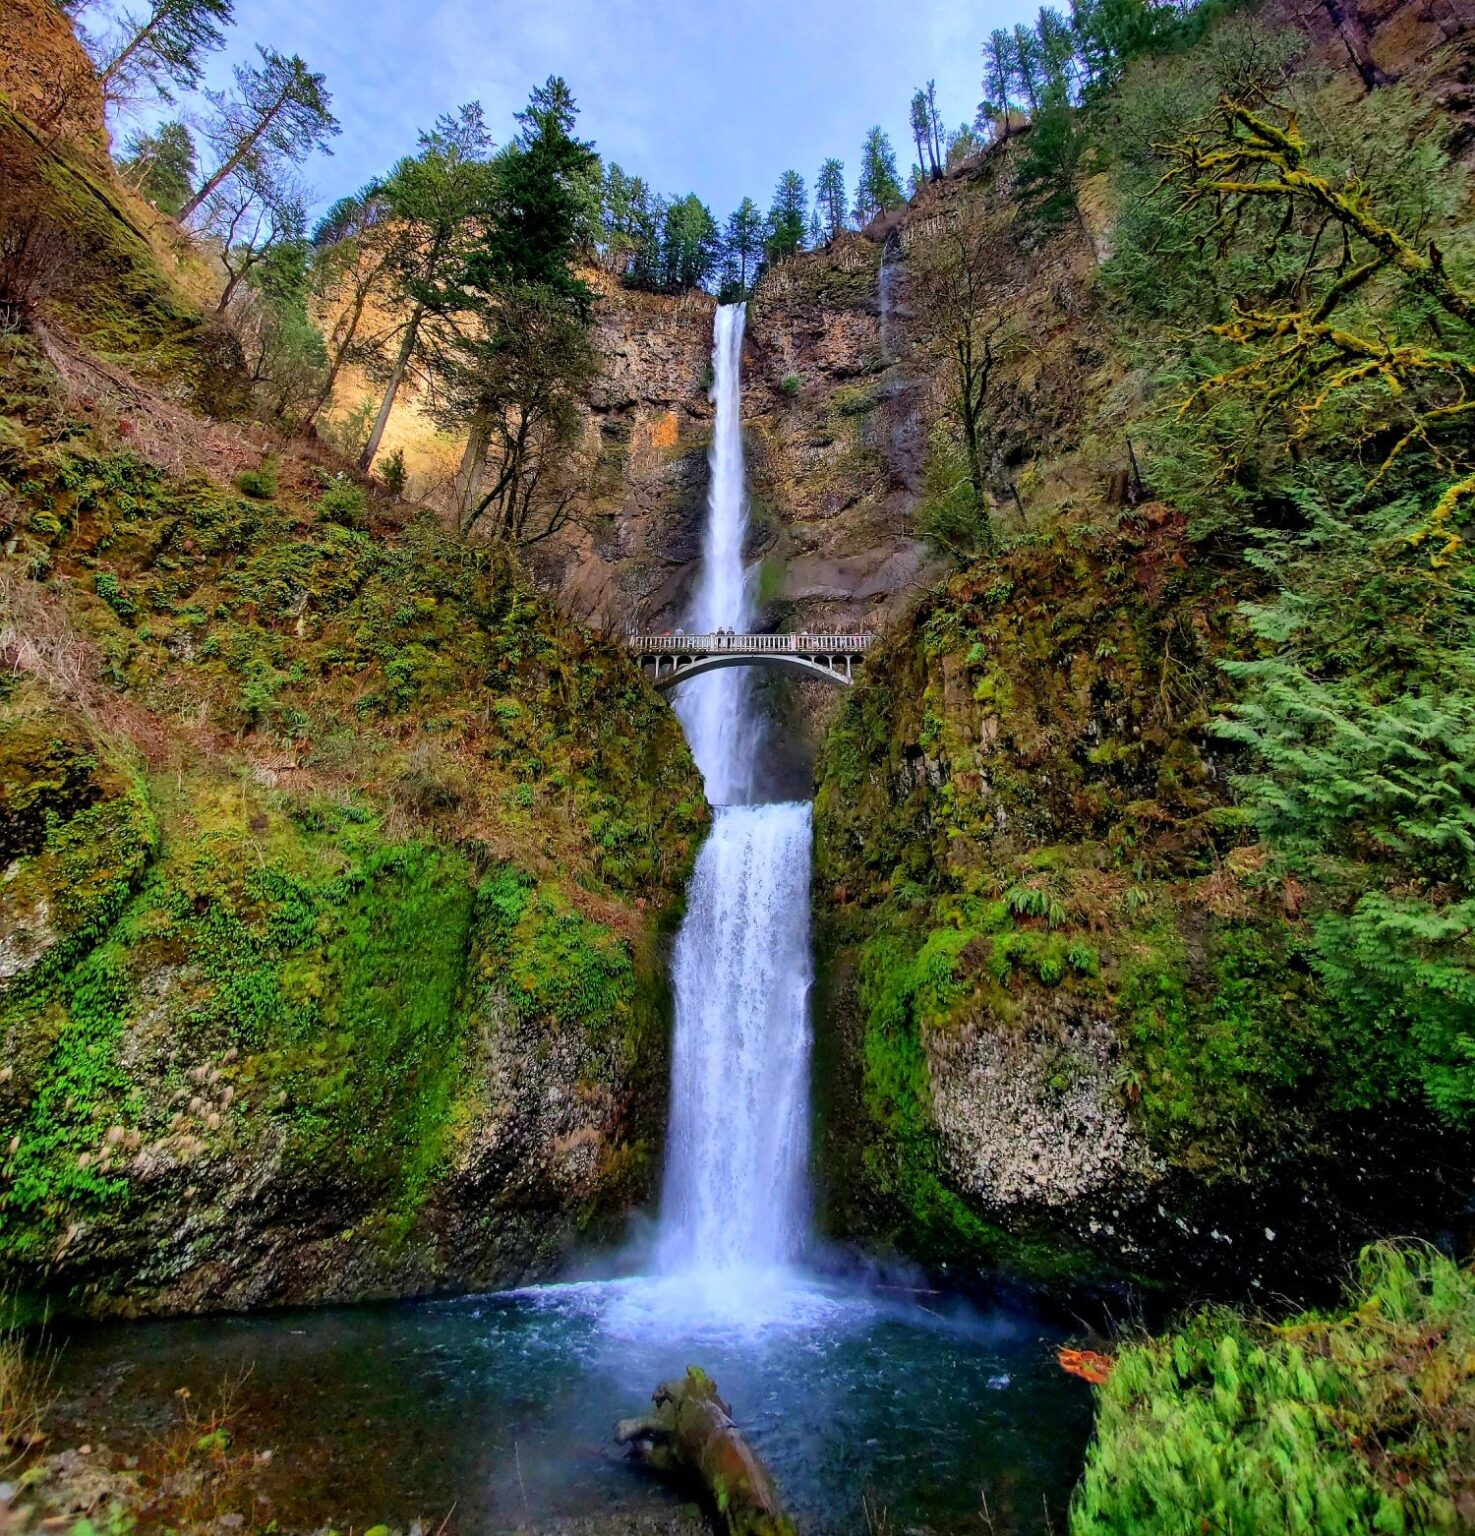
(502, 1407)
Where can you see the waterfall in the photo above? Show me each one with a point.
(717, 710)
(735, 1188)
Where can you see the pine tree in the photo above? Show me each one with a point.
(278, 114)
(166, 47)
(744, 244)
(1027, 66)
(438, 200)
(544, 210)
(162, 165)
(829, 197)
(691, 247)
(998, 79)
(878, 189)
(787, 217)
(1055, 48)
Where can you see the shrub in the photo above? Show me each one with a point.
(1356, 1422)
(393, 473)
(790, 385)
(345, 503)
(260, 484)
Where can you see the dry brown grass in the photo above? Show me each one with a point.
(25, 1379)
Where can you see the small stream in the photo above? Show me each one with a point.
(503, 1406)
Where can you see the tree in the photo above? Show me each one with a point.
(816, 230)
(957, 276)
(162, 165)
(922, 137)
(878, 189)
(1056, 51)
(1047, 175)
(354, 245)
(522, 293)
(252, 214)
(283, 349)
(543, 210)
(961, 143)
(522, 384)
(744, 242)
(998, 79)
(1027, 65)
(829, 197)
(787, 217)
(438, 201)
(690, 245)
(164, 47)
(278, 113)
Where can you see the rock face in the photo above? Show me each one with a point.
(832, 428)
(1063, 1031)
(46, 75)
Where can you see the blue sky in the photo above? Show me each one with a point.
(716, 99)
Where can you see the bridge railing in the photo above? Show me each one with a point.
(802, 644)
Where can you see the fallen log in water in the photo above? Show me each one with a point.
(691, 1436)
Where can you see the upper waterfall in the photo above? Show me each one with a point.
(717, 711)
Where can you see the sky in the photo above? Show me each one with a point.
(718, 99)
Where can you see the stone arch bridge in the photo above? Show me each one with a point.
(671, 659)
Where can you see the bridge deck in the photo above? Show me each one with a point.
(750, 645)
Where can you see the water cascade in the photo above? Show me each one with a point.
(735, 1193)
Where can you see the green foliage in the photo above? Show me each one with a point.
(345, 503)
(393, 473)
(791, 384)
(951, 517)
(878, 187)
(260, 484)
(553, 965)
(1351, 1421)
(162, 165)
(788, 217)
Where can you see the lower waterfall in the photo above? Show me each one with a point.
(738, 1141)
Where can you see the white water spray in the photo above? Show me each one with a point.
(735, 1193)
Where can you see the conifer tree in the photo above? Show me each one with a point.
(744, 243)
(162, 165)
(437, 200)
(998, 79)
(787, 217)
(1055, 48)
(1027, 66)
(278, 114)
(829, 197)
(878, 189)
(165, 47)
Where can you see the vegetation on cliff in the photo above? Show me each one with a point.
(1161, 806)
(318, 822)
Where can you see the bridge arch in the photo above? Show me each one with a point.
(681, 668)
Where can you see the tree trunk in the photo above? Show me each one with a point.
(132, 47)
(473, 461)
(402, 362)
(335, 367)
(691, 1436)
(243, 149)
